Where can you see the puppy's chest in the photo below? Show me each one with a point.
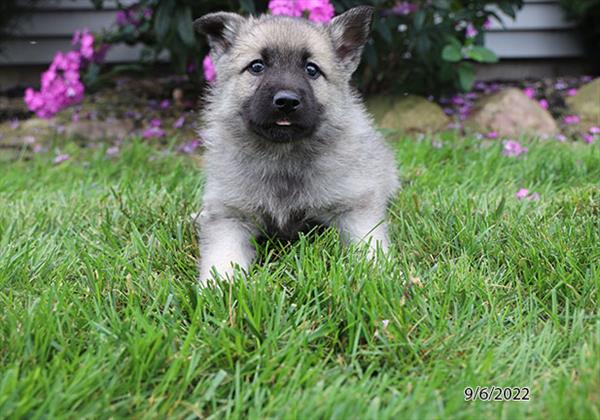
(281, 195)
(286, 188)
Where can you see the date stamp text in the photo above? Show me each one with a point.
(497, 393)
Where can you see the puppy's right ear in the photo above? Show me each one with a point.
(220, 28)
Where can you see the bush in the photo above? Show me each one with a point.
(418, 47)
(586, 14)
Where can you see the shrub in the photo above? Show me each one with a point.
(420, 46)
(586, 14)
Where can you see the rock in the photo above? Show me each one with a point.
(586, 104)
(407, 114)
(115, 129)
(25, 133)
(511, 113)
(36, 125)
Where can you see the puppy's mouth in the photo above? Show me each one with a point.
(282, 130)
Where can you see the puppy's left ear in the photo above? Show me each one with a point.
(220, 28)
(350, 32)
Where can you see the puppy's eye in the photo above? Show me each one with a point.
(256, 67)
(312, 70)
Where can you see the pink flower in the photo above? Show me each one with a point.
(487, 24)
(165, 103)
(153, 133)
(155, 122)
(524, 193)
(492, 135)
(121, 18)
(61, 85)
(572, 92)
(404, 8)
(543, 103)
(323, 12)
(470, 31)
(561, 138)
(530, 92)
(190, 146)
(285, 8)
(572, 119)
(87, 45)
(112, 151)
(318, 10)
(588, 138)
(86, 39)
(458, 100)
(513, 148)
(179, 122)
(209, 69)
(560, 85)
(595, 130)
(60, 158)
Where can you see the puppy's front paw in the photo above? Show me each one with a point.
(209, 275)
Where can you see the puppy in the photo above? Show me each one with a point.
(288, 140)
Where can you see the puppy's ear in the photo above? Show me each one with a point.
(350, 32)
(220, 28)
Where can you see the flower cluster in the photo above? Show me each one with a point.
(61, 84)
(133, 16)
(524, 193)
(513, 148)
(404, 8)
(317, 10)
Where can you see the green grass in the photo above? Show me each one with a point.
(100, 315)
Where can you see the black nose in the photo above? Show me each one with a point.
(286, 101)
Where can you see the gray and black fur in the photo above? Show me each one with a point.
(288, 140)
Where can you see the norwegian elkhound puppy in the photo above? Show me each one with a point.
(288, 141)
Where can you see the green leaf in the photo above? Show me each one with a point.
(482, 54)
(248, 6)
(423, 44)
(184, 26)
(454, 41)
(507, 8)
(162, 22)
(383, 30)
(451, 53)
(419, 20)
(466, 76)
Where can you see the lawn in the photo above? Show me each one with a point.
(100, 315)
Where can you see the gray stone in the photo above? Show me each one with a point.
(511, 113)
(410, 114)
(586, 104)
(91, 130)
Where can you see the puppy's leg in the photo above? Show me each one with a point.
(365, 225)
(224, 243)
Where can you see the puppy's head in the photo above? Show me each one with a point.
(283, 76)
